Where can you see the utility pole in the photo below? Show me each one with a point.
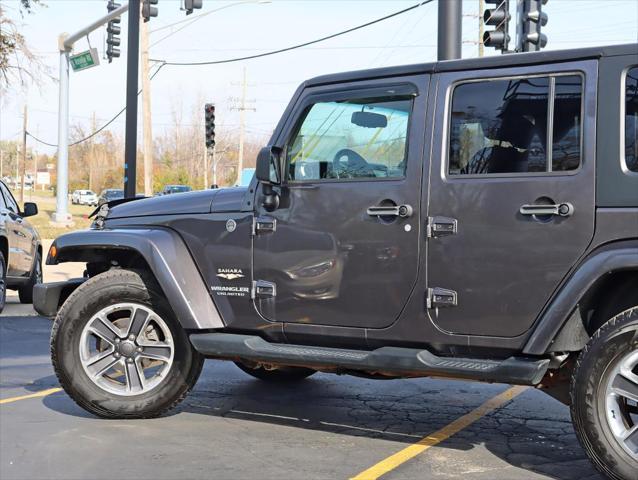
(24, 152)
(35, 163)
(242, 122)
(132, 73)
(449, 29)
(146, 106)
(481, 47)
(92, 157)
(242, 127)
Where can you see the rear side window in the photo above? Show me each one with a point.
(631, 119)
(501, 126)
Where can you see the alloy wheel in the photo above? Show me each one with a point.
(621, 403)
(126, 349)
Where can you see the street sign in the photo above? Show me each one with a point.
(85, 60)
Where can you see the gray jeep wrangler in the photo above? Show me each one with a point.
(473, 219)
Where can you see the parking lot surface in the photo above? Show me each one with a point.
(235, 427)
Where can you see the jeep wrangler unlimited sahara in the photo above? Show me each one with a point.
(473, 219)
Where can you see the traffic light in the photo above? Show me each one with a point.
(113, 31)
(499, 18)
(209, 114)
(148, 10)
(190, 5)
(532, 19)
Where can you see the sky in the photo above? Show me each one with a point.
(240, 28)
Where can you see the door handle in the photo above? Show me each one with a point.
(402, 211)
(560, 209)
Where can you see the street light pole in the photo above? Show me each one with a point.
(65, 45)
(449, 29)
(132, 72)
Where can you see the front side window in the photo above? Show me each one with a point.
(631, 119)
(351, 139)
(501, 126)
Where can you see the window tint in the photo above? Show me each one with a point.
(2, 203)
(500, 126)
(351, 139)
(631, 120)
(566, 130)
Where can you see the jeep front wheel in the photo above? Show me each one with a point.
(604, 394)
(118, 349)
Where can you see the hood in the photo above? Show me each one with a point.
(175, 204)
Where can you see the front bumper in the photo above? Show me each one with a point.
(49, 297)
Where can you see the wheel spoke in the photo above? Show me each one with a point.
(631, 438)
(625, 388)
(134, 377)
(160, 351)
(138, 322)
(104, 329)
(102, 364)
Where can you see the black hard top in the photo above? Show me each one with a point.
(496, 61)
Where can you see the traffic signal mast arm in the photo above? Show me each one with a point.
(68, 42)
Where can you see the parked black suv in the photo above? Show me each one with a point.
(20, 248)
(472, 219)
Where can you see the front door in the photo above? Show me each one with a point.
(345, 248)
(515, 170)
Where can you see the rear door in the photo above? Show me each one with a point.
(513, 180)
(339, 254)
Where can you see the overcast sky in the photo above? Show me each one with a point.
(249, 27)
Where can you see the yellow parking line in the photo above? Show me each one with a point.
(408, 453)
(42, 393)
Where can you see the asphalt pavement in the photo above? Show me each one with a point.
(235, 427)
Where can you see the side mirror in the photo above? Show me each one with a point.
(30, 209)
(268, 157)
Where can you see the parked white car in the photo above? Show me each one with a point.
(84, 197)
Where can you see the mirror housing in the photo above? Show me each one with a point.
(30, 209)
(267, 157)
(369, 119)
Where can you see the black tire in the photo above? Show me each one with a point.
(25, 293)
(3, 281)
(108, 288)
(279, 375)
(608, 346)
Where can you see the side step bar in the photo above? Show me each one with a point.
(392, 361)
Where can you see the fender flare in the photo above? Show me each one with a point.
(612, 258)
(168, 258)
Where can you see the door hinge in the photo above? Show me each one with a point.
(263, 289)
(263, 225)
(440, 298)
(441, 226)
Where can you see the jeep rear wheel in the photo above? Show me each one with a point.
(118, 350)
(604, 395)
(278, 375)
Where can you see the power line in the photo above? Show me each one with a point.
(88, 137)
(163, 63)
(300, 45)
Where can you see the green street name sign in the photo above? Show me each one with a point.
(84, 60)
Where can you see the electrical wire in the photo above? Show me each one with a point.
(88, 137)
(163, 63)
(300, 45)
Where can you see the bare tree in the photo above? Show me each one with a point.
(18, 64)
